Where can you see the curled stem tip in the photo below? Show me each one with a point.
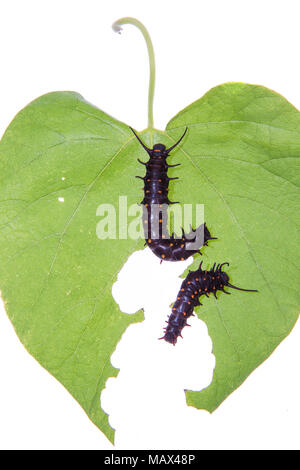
(117, 27)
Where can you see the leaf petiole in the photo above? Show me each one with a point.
(133, 21)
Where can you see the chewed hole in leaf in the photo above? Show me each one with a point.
(153, 374)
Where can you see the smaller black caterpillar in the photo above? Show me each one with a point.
(196, 283)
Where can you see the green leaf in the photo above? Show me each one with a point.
(61, 157)
(241, 159)
(55, 274)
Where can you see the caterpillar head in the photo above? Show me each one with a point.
(159, 150)
(159, 147)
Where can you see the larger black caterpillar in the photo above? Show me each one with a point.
(196, 283)
(156, 186)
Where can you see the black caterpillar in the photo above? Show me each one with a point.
(156, 201)
(196, 283)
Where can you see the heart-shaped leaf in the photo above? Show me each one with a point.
(61, 157)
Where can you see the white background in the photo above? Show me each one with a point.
(69, 45)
